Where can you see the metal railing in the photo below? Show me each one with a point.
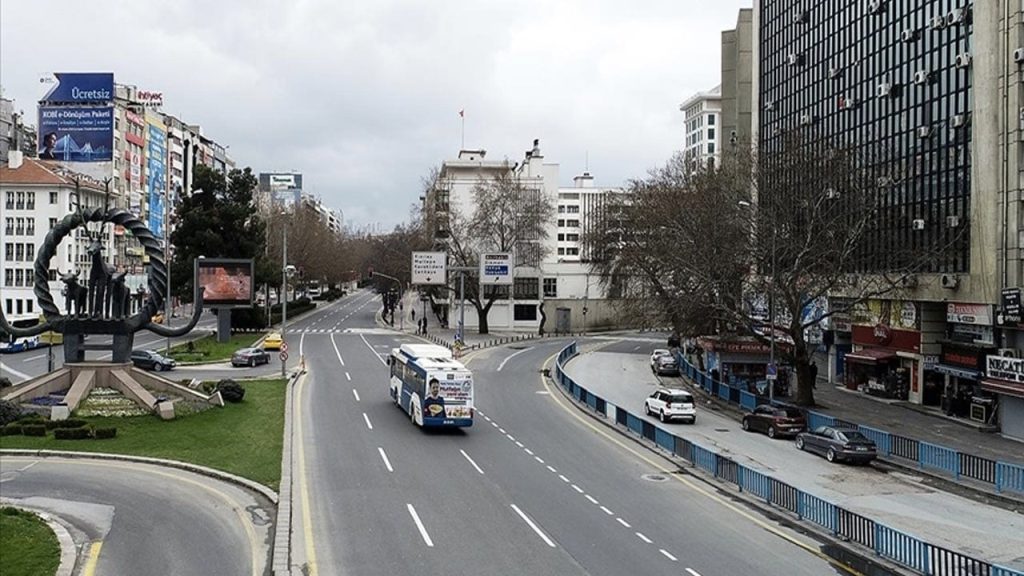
(895, 545)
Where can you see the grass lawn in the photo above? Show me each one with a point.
(207, 349)
(27, 545)
(245, 439)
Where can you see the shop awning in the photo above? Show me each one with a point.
(965, 373)
(869, 356)
(1003, 387)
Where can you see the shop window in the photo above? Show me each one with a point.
(525, 312)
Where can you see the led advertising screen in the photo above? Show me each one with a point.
(225, 282)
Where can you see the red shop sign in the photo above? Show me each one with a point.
(888, 337)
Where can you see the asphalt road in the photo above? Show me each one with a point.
(143, 519)
(532, 488)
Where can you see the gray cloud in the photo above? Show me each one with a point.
(363, 97)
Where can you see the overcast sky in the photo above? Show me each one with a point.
(363, 97)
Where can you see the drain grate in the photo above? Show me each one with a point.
(654, 477)
(721, 429)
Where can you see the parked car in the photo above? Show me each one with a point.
(670, 404)
(775, 421)
(151, 360)
(272, 341)
(843, 444)
(250, 357)
(658, 353)
(666, 366)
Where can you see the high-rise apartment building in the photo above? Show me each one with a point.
(702, 120)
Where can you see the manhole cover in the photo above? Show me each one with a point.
(654, 477)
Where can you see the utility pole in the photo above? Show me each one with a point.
(284, 292)
(168, 305)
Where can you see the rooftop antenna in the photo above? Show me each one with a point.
(586, 163)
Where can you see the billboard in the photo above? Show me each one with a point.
(428, 268)
(497, 268)
(156, 150)
(76, 133)
(77, 87)
(225, 282)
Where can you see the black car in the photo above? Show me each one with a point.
(151, 360)
(250, 357)
(775, 421)
(843, 444)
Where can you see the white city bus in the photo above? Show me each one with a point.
(433, 388)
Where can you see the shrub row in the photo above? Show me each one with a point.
(74, 433)
(254, 319)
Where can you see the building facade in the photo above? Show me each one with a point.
(738, 81)
(702, 120)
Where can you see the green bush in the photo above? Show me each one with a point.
(105, 433)
(69, 423)
(5, 382)
(13, 429)
(73, 433)
(231, 391)
(9, 412)
(34, 429)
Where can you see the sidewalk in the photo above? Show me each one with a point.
(444, 336)
(897, 500)
(910, 420)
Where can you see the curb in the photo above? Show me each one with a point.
(281, 555)
(836, 549)
(68, 550)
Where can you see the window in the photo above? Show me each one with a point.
(711, 133)
(53, 197)
(525, 312)
(19, 226)
(573, 209)
(711, 119)
(30, 252)
(20, 203)
(561, 223)
(19, 252)
(30, 230)
(572, 223)
(19, 277)
(551, 287)
(9, 281)
(9, 201)
(572, 251)
(561, 251)
(561, 209)
(53, 223)
(30, 200)
(21, 306)
(29, 304)
(9, 251)
(711, 148)
(572, 237)
(561, 237)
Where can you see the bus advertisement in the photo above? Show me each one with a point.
(431, 386)
(10, 344)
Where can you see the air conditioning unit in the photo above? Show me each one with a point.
(876, 6)
(835, 72)
(1018, 55)
(884, 181)
(851, 102)
(922, 77)
(958, 121)
(1008, 352)
(938, 22)
(807, 119)
(957, 16)
(963, 60)
(769, 105)
(799, 16)
(917, 224)
(884, 90)
(950, 281)
(924, 131)
(795, 59)
(952, 221)
(831, 194)
(909, 35)
(908, 281)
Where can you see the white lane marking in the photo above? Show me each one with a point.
(471, 461)
(512, 438)
(348, 377)
(538, 459)
(34, 358)
(591, 498)
(623, 522)
(636, 348)
(667, 555)
(384, 457)
(534, 526)
(577, 488)
(542, 392)
(642, 537)
(302, 340)
(607, 511)
(519, 444)
(502, 430)
(502, 365)
(692, 572)
(563, 478)
(495, 424)
(336, 351)
(367, 418)
(356, 394)
(528, 451)
(419, 524)
(552, 470)
(21, 375)
(488, 418)
(372, 350)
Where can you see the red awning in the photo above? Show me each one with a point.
(1003, 387)
(869, 356)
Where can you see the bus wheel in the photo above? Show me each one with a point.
(412, 413)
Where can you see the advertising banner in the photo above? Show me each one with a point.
(225, 282)
(76, 133)
(157, 152)
(497, 268)
(969, 313)
(81, 87)
(428, 268)
(1004, 368)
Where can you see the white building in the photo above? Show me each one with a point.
(36, 195)
(702, 120)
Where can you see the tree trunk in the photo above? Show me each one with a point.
(802, 359)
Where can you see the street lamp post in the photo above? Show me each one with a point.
(284, 292)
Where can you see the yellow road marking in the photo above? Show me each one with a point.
(93, 559)
(700, 490)
(307, 520)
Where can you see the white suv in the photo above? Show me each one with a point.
(670, 403)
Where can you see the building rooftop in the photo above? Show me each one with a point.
(32, 171)
(713, 94)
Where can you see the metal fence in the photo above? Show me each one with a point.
(895, 545)
(1004, 476)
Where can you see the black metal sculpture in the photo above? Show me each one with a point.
(117, 295)
(75, 294)
(74, 325)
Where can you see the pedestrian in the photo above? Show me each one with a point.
(424, 325)
(413, 314)
(814, 375)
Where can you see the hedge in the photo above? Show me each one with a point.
(73, 433)
(34, 429)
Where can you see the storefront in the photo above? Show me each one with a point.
(885, 361)
(1004, 380)
(740, 362)
(962, 366)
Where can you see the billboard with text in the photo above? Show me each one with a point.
(76, 133)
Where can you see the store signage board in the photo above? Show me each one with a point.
(429, 268)
(1005, 368)
(980, 314)
(497, 268)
